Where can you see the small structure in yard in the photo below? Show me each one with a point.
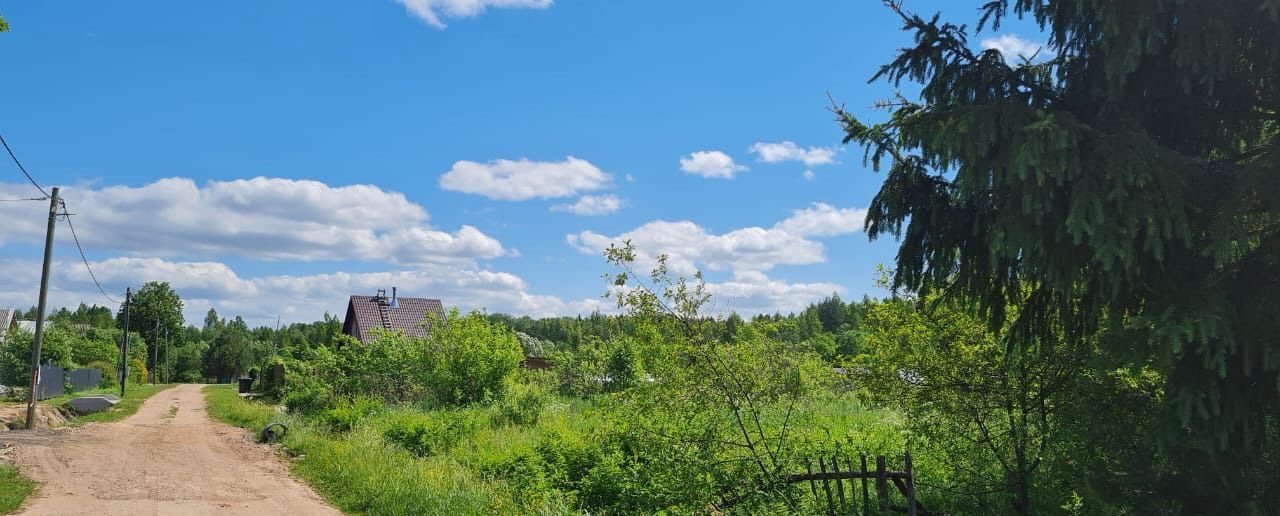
(90, 404)
(412, 315)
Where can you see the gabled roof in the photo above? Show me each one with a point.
(411, 316)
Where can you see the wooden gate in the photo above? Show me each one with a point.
(851, 492)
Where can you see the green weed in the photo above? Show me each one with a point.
(14, 488)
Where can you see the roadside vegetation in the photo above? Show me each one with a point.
(134, 396)
(663, 409)
(13, 489)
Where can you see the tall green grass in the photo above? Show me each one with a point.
(559, 465)
(14, 488)
(360, 473)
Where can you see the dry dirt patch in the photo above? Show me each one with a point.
(158, 461)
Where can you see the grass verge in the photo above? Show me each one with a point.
(14, 488)
(134, 395)
(359, 473)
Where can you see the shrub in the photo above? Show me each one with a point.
(430, 434)
(310, 400)
(190, 377)
(108, 373)
(469, 359)
(348, 413)
(522, 404)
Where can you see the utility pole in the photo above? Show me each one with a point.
(168, 373)
(155, 351)
(44, 294)
(124, 346)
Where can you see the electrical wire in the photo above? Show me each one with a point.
(22, 168)
(25, 199)
(67, 217)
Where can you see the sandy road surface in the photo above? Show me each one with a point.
(158, 462)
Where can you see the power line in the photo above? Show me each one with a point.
(67, 216)
(25, 199)
(22, 168)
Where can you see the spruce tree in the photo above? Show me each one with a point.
(1121, 185)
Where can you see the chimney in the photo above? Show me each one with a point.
(394, 303)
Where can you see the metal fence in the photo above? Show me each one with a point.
(52, 382)
(82, 379)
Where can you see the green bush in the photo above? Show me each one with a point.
(348, 413)
(190, 377)
(108, 373)
(469, 359)
(433, 433)
(311, 400)
(522, 404)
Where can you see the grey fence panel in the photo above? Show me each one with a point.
(86, 378)
(52, 382)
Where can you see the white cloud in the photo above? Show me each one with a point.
(789, 151)
(301, 298)
(521, 180)
(808, 175)
(432, 11)
(753, 249)
(592, 205)
(746, 253)
(821, 219)
(713, 164)
(688, 246)
(260, 218)
(1011, 46)
(751, 293)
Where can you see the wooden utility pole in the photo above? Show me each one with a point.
(44, 294)
(124, 345)
(155, 351)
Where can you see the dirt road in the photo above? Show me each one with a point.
(169, 458)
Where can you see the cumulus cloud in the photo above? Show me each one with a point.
(751, 293)
(1011, 46)
(821, 219)
(433, 11)
(592, 205)
(260, 218)
(713, 164)
(295, 298)
(746, 253)
(508, 180)
(789, 151)
(689, 246)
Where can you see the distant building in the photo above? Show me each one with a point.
(8, 322)
(411, 315)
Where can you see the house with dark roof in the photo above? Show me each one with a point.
(411, 315)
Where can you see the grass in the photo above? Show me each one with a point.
(359, 473)
(134, 395)
(14, 488)
(558, 465)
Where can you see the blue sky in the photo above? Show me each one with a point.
(271, 158)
